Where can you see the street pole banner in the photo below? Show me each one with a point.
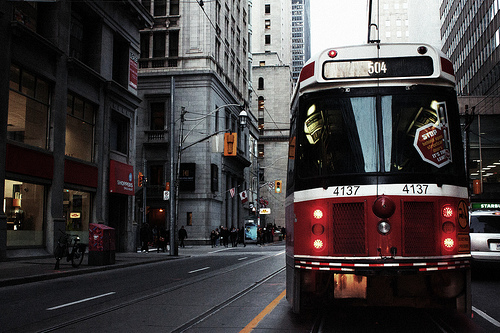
(232, 191)
(243, 196)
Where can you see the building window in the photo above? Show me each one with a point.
(173, 44)
(160, 8)
(261, 109)
(260, 148)
(268, 24)
(159, 44)
(24, 205)
(83, 42)
(28, 113)
(145, 45)
(189, 218)
(77, 210)
(155, 176)
(157, 116)
(118, 133)
(267, 39)
(262, 63)
(214, 178)
(267, 9)
(80, 128)
(261, 83)
(120, 60)
(174, 7)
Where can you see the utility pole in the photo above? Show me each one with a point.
(173, 228)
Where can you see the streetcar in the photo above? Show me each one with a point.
(377, 192)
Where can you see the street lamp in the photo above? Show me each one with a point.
(243, 116)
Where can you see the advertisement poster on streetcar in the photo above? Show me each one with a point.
(432, 140)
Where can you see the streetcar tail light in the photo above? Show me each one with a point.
(318, 244)
(318, 214)
(448, 227)
(449, 243)
(447, 212)
(318, 229)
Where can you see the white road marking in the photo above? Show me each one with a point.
(242, 258)
(485, 316)
(80, 301)
(197, 270)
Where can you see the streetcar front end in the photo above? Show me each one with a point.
(377, 197)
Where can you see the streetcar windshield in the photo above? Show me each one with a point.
(395, 131)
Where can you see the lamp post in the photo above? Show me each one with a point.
(182, 138)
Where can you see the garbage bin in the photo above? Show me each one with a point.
(101, 245)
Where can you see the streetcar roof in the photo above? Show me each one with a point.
(342, 67)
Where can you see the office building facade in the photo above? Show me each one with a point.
(470, 33)
(194, 69)
(69, 88)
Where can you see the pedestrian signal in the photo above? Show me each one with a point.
(277, 186)
(230, 144)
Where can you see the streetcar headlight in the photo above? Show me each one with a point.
(384, 227)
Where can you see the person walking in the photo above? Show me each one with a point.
(213, 237)
(145, 231)
(182, 235)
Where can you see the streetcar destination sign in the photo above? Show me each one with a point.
(377, 68)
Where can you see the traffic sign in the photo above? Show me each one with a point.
(432, 144)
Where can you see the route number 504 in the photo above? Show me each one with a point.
(377, 67)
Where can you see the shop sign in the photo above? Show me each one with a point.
(265, 211)
(75, 215)
(121, 178)
(133, 71)
(482, 205)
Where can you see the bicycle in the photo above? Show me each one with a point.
(65, 242)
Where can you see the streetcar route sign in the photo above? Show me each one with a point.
(432, 142)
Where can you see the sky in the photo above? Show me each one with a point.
(338, 23)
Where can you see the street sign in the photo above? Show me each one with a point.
(166, 195)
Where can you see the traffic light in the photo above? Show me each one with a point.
(277, 186)
(140, 178)
(230, 144)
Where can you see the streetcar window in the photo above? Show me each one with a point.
(355, 132)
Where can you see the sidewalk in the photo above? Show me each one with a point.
(38, 269)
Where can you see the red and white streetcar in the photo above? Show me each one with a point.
(377, 195)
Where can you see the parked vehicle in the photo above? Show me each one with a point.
(485, 235)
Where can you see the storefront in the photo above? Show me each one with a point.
(121, 190)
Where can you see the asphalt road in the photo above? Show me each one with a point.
(223, 290)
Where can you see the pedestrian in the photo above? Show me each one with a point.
(225, 236)
(162, 242)
(234, 237)
(182, 235)
(145, 231)
(213, 237)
